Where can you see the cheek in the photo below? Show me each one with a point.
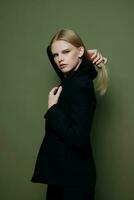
(73, 59)
(56, 61)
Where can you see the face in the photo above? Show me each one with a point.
(66, 56)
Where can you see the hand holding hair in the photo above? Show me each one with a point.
(96, 57)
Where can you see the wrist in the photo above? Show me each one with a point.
(49, 106)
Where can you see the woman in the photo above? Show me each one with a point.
(65, 160)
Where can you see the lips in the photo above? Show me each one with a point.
(62, 65)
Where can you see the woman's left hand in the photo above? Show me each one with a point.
(96, 57)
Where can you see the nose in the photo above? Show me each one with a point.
(60, 58)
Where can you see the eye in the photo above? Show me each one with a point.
(66, 51)
(54, 55)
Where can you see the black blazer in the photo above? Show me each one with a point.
(65, 155)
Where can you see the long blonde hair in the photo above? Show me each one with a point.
(68, 35)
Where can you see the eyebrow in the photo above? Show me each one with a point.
(62, 51)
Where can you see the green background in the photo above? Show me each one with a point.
(26, 77)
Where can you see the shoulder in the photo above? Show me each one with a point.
(81, 82)
(82, 88)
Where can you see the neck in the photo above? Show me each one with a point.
(78, 65)
(74, 69)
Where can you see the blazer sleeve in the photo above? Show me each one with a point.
(74, 129)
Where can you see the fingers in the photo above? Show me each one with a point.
(96, 57)
(102, 60)
(92, 52)
(55, 90)
(59, 90)
(99, 60)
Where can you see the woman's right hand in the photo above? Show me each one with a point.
(54, 96)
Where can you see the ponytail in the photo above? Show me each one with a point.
(101, 81)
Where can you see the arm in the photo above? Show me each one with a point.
(75, 128)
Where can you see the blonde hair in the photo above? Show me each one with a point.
(68, 35)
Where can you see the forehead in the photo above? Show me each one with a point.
(60, 45)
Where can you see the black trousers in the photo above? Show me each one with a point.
(70, 193)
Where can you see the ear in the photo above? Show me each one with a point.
(81, 51)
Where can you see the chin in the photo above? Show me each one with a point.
(65, 70)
